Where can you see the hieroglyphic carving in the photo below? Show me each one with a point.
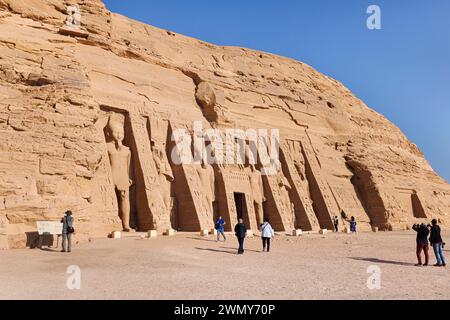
(158, 137)
(280, 187)
(160, 216)
(231, 208)
(253, 223)
(296, 167)
(330, 205)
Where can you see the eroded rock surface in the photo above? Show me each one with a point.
(59, 88)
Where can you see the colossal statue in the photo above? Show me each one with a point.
(120, 160)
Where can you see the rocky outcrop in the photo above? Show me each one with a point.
(60, 87)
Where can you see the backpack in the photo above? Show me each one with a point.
(69, 229)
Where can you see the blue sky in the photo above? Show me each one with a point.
(402, 70)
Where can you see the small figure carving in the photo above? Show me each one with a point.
(258, 193)
(165, 175)
(206, 175)
(284, 188)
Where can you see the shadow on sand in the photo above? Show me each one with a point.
(244, 248)
(217, 250)
(201, 239)
(375, 260)
(51, 250)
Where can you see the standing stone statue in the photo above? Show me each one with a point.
(257, 192)
(120, 159)
(206, 175)
(165, 175)
(73, 17)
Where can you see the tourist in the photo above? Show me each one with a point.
(353, 225)
(266, 234)
(67, 231)
(220, 227)
(422, 243)
(336, 224)
(241, 231)
(437, 243)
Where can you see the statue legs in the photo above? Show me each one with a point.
(209, 200)
(124, 206)
(259, 213)
(166, 194)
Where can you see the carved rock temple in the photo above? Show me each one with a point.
(88, 112)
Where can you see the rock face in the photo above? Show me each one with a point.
(77, 101)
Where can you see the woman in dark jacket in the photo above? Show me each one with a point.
(422, 243)
(436, 242)
(241, 231)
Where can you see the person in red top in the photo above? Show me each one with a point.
(422, 243)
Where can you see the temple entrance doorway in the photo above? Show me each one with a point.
(241, 208)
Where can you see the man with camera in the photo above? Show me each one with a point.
(437, 243)
(67, 231)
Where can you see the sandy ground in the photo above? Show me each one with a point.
(190, 267)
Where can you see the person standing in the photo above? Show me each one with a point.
(422, 243)
(353, 225)
(266, 234)
(436, 242)
(241, 231)
(336, 224)
(220, 227)
(67, 231)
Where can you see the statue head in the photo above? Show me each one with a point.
(116, 127)
(117, 132)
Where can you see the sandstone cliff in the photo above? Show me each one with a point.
(59, 88)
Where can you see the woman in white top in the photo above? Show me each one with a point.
(266, 234)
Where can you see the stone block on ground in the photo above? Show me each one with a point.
(116, 235)
(169, 233)
(297, 232)
(152, 234)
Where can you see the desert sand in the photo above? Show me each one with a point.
(188, 266)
